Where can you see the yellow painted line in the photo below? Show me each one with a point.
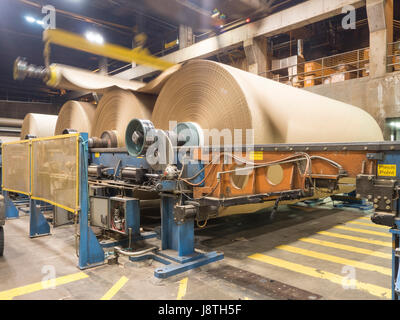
(372, 289)
(366, 218)
(359, 239)
(182, 289)
(10, 294)
(115, 288)
(376, 233)
(370, 225)
(335, 259)
(347, 248)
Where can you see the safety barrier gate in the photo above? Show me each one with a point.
(53, 170)
(45, 169)
(16, 167)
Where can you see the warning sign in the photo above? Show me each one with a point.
(387, 170)
(257, 155)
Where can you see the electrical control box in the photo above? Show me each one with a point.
(121, 209)
(97, 191)
(99, 211)
(117, 214)
(62, 217)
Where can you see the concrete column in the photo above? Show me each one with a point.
(380, 21)
(186, 37)
(258, 55)
(103, 65)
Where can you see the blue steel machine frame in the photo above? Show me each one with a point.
(177, 239)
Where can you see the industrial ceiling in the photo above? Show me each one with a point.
(117, 20)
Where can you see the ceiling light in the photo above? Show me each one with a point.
(94, 37)
(30, 19)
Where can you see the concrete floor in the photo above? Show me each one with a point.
(306, 253)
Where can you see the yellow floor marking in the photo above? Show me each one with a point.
(43, 285)
(372, 289)
(359, 239)
(376, 233)
(369, 225)
(182, 289)
(115, 288)
(366, 218)
(347, 248)
(335, 259)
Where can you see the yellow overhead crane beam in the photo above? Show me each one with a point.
(112, 51)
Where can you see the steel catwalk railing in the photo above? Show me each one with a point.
(393, 57)
(355, 63)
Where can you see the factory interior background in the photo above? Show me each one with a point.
(199, 150)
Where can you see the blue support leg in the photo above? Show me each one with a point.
(395, 264)
(175, 235)
(395, 258)
(11, 209)
(38, 225)
(91, 253)
(395, 269)
(178, 243)
(133, 218)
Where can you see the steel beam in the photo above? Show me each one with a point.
(295, 17)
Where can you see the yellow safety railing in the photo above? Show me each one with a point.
(16, 166)
(53, 169)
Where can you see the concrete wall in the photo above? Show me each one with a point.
(18, 109)
(380, 96)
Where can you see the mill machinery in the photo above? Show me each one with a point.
(193, 182)
(196, 183)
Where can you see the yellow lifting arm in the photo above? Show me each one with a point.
(74, 41)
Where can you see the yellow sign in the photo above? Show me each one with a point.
(257, 155)
(387, 170)
(97, 155)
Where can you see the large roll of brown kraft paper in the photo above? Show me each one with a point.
(117, 108)
(39, 125)
(76, 115)
(217, 96)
